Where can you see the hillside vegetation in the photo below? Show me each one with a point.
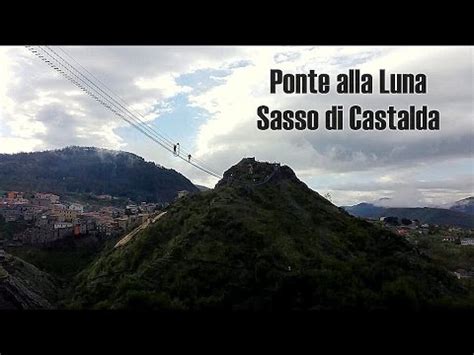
(91, 170)
(262, 240)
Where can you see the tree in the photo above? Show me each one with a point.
(391, 220)
(406, 221)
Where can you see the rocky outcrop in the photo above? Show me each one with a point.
(249, 172)
(23, 286)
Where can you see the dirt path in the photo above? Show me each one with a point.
(134, 232)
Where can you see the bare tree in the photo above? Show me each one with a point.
(328, 196)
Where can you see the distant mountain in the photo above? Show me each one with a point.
(365, 210)
(465, 205)
(262, 240)
(383, 202)
(91, 170)
(423, 214)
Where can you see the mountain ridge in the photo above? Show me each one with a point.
(91, 170)
(465, 205)
(430, 215)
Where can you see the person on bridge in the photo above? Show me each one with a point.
(189, 157)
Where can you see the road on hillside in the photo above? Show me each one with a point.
(141, 227)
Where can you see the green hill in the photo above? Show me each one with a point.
(262, 241)
(91, 170)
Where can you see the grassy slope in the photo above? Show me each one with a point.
(275, 246)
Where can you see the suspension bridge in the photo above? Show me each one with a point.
(67, 66)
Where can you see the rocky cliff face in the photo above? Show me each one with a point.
(24, 287)
(249, 172)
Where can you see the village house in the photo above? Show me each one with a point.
(58, 206)
(43, 235)
(41, 202)
(450, 238)
(80, 227)
(122, 223)
(90, 225)
(31, 213)
(64, 215)
(132, 209)
(467, 241)
(55, 220)
(76, 207)
(42, 221)
(64, 232)
(11, 213)
(108, 229)
(28, 215)
(60, 225)
(148, 207)
(47, 196)
(14, 195)
(111, 211)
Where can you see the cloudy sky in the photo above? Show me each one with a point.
(206, 98)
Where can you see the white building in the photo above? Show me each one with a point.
(132, 209)
(76, 207)
(59, 207)
(467, 241)
(60, 225)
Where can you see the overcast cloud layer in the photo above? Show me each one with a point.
(206, 98)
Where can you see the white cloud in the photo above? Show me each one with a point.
(231, 131)
(40, 110)
(233, 109)
(29, 87)
(15, 145)
(164, 83)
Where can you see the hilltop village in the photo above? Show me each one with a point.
(42, 218)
